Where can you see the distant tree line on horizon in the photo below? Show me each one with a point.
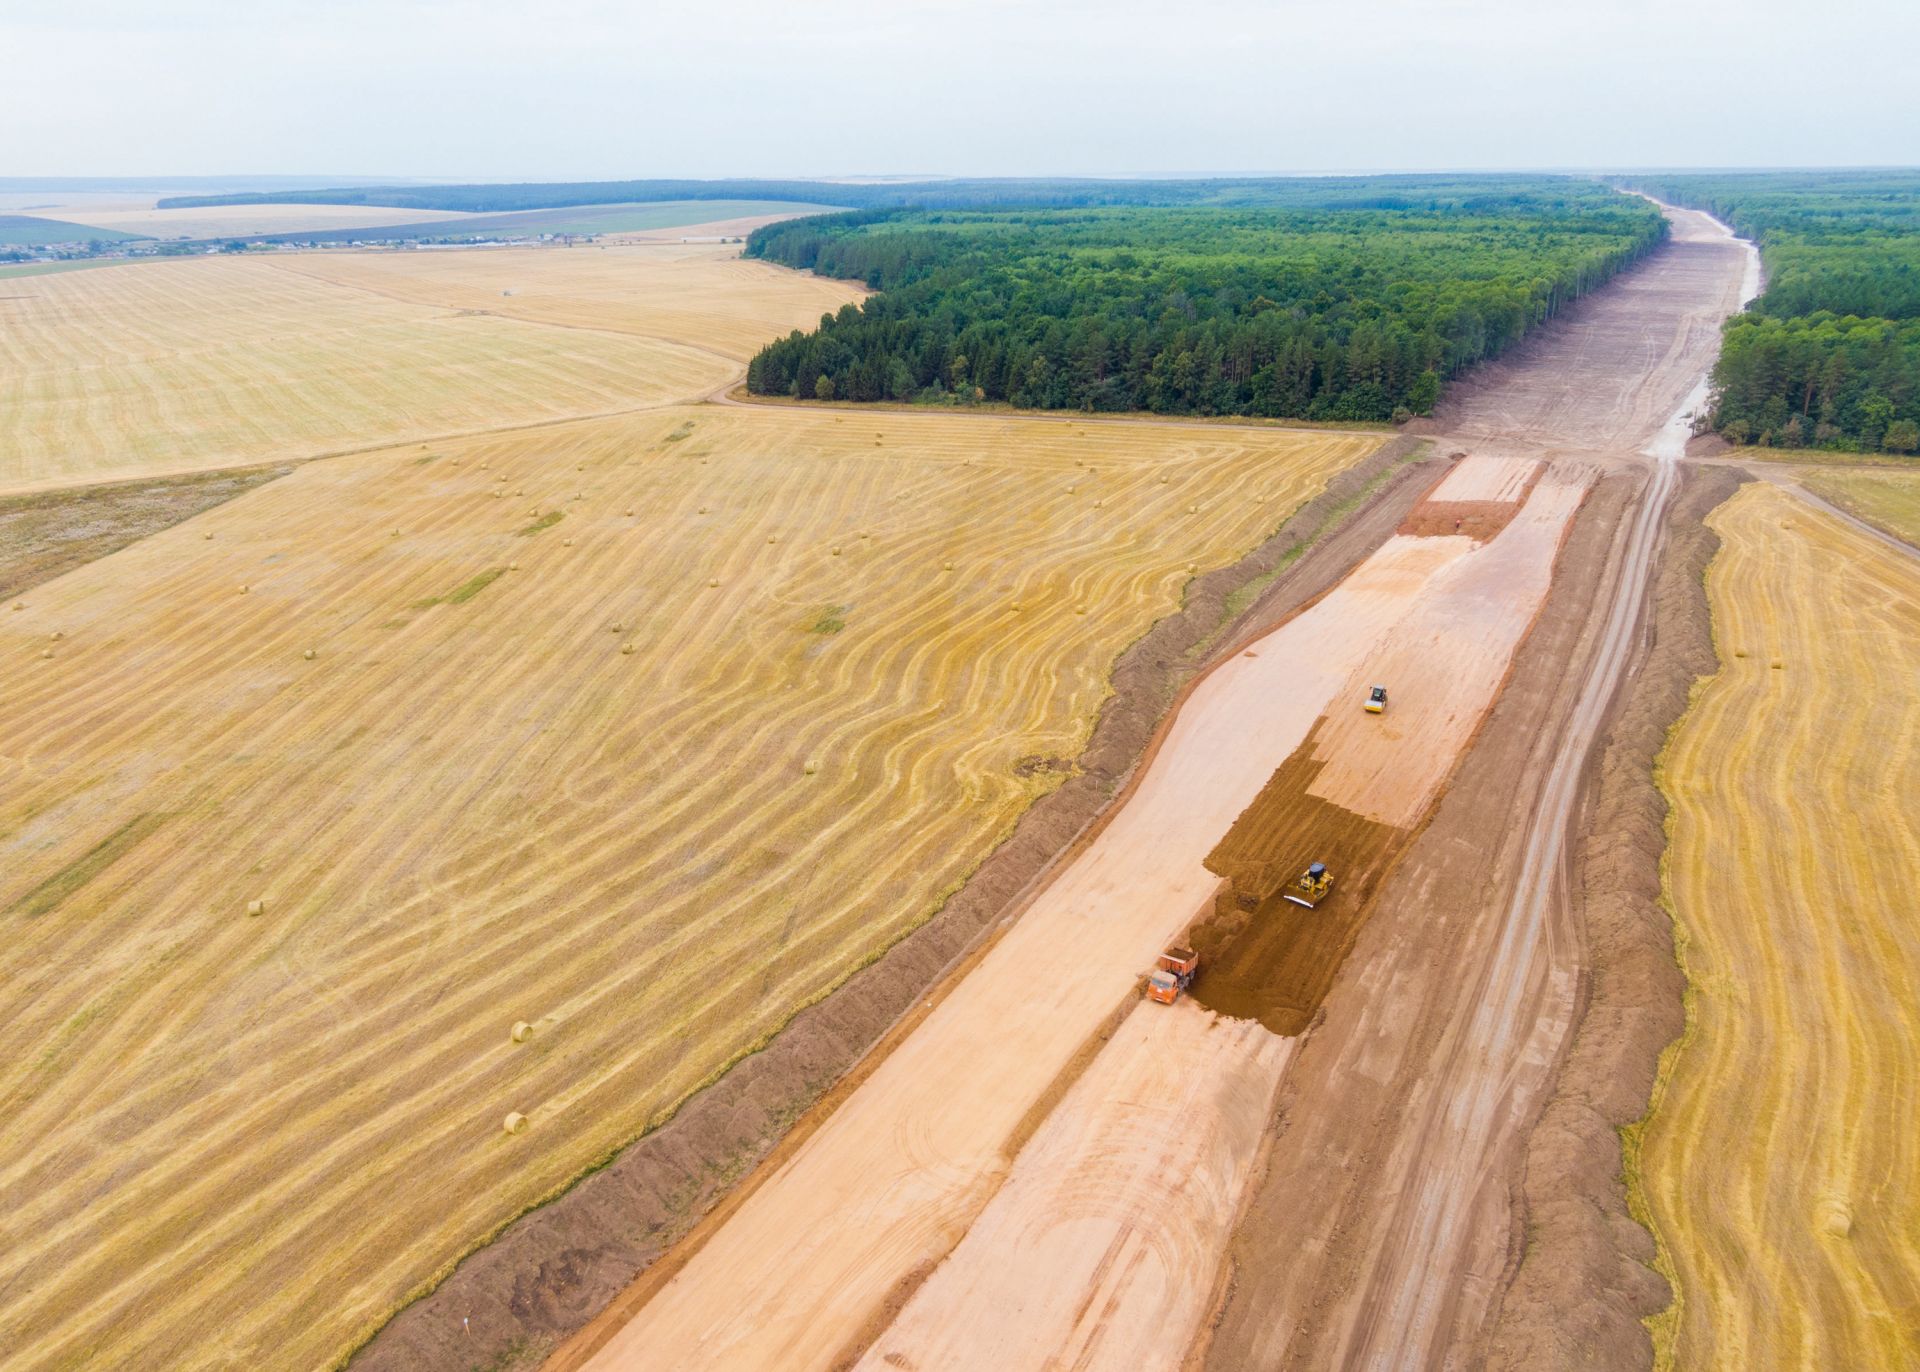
(1325, 312)
(1427, 190)
(1829, 355)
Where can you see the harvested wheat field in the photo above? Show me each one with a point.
(162, 367)
(1888, 500)
(703, 295)
(1779, 1164)
(640, 732)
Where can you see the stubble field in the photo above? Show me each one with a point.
(1779, 1165)
(161, 367)
(243, 1139)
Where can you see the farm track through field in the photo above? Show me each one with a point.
(1779, 1162)
(463, 814)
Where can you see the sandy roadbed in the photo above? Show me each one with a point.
(1099, 1250)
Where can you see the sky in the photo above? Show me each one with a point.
(589, 89)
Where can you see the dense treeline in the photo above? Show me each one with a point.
(1323, 192)
(1321, 313)
(1829, 355)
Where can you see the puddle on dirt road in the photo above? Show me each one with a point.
(1261, 956)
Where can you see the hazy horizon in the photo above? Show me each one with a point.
(489, 90)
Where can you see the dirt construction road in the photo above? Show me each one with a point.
(1380, 1230)
(1385, 1233)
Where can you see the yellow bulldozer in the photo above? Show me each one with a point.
(1311, 887)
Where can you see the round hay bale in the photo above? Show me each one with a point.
(1193, 509)
(208, 536)
(521, 1031)
(579, 466)
(19, 604)
(1835, 1216)
(1079, 609)
(1099, 504)
(836, 550)
(579, 495)
(614, 627)
(1192, 567)
(946, 566)
(1259, 500)
(256, 907)
(866, 535)
(1778, 664)
(811, 767)
(713, 581)
(499, 495)
(566, 543)
(46, 653)
(514, 1122)
(56, 635)
(1070, 490)
(773, 538)
(396, 533)
(243, 590)
(626, 647)
(519, 490)
(1164, 478)
(629, 512)
(513, 566)
(703, 509)
(308, 655)
(703, 462)
(1014, 606)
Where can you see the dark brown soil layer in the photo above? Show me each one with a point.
(1584, 1284)
(1479, 520)
(1262, 956)
(47, 534)
(552, 1270)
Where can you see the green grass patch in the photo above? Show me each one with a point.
(49, 268)
(32, 230)
(683, 431)
(1888, 500)
(546, 521)
(1823, 457)
(465, 591)
(831, 620)
(55, 890)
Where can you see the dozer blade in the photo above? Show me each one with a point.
(1306, 901)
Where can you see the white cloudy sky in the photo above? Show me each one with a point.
(490, 89)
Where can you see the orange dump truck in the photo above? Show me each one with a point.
(1171, 976)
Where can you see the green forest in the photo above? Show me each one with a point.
(1348, 300)
(1829, 355)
